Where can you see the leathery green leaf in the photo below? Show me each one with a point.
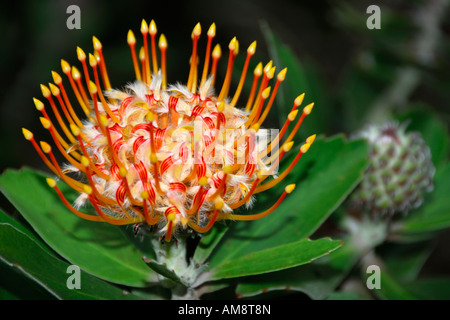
(276, 258)
(98, 248)
(20, 251)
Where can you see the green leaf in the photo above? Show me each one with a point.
(339, 295)
(434, 214)
(98, 248)
(430, 288)
(300, 78)
(356, 90)
(420, 289)
(433, 130)
(20, 251)
(208, 242)
(162, 270)
(140, 239)
(324, 176)
(14, 285)
(405, 261)
(317, 279)
(6, 219)
(152, 293)
(391, 289)
(276, 258)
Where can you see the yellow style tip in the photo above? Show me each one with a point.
(292, 115)
(45, 91)
(234, 46)
(75, 130)
(142, 54)
(97, 56)
(27, 134)
(84, 161)
(221, 106)
(271, 73)
(131, 39)
(144, 27)
(92, 87)
(45, 122)
(289, 188)
(203, 181)
(258, 70)
(65, 66)
(252, 48)
(38, 103)
(197, 30)
(260, 174)
(103, 121)
(311, 139)
(299, 100)
(171, 217)
(184, 221)
(97, 44)
(144, 195)
(288, 146)
(153, 30)
(227, 169)
(268, 66)
(56, 77)
(80, 54)
(212, 30)
(87, 189)
(266, 92)
(54, 89)
(255, 127)
(51, 182)
(236, 49)
(162, 44)
(307, 110)
(304, 148)
(219, 204)
(92, 60)
(45, 147)
(150, 116)
(282, 75)
(76, 73)
(217, 52)
(123, 172)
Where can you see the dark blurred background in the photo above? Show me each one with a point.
(329, 37)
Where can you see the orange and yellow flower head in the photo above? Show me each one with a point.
(176, 157)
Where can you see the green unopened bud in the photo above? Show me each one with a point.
(400, 171)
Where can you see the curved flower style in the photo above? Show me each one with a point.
(175, 157)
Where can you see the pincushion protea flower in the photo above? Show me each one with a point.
(174, 157)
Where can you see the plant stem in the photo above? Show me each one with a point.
(173, 256)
